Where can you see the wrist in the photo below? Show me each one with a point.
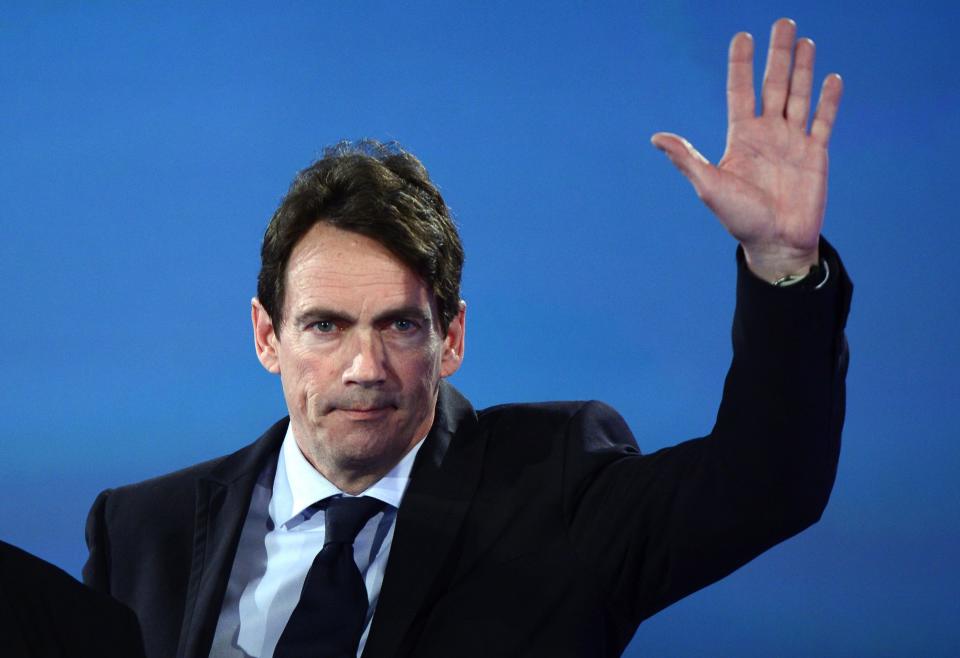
(778, 264)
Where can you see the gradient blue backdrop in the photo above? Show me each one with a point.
(143, 147)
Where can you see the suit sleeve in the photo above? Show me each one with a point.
(657, 527)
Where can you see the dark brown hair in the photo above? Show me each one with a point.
(379, 191)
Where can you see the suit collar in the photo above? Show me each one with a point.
(223, 498)
(445, 476)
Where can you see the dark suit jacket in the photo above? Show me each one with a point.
(46, 613)
(537, 529)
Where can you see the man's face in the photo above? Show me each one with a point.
(360, 354)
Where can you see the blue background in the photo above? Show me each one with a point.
(145, 145)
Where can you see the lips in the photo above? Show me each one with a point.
(364, 413)
(361, 405)
(364, 405)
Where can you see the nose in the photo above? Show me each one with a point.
(367, 356)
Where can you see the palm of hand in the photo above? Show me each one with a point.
(772, 185)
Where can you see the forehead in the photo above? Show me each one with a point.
(332, 266)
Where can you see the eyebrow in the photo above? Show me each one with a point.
(321, 313)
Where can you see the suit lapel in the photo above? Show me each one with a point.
(223, 499)
(443, 481)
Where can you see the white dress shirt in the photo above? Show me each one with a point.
(281, 536)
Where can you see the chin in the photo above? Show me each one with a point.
(365, 447)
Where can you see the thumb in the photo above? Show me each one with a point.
(686, 158)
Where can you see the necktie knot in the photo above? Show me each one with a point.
(344, 517)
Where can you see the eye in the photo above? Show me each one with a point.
(403, 325)
(324, 326)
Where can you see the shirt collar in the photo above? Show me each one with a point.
(298, 485)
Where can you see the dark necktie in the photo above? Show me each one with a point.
(329, 618)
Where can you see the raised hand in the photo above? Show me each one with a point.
(769, 190)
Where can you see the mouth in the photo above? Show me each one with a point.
(364, 413)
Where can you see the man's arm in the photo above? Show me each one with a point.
(770, 188)
(667, 524)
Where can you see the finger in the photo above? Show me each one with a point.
(776, 75)
(687, 159)
(801, 84)
(827, 107)
(740, 99)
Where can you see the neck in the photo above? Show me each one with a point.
(352, 475)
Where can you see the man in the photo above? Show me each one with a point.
(46, 613)
(533, 530)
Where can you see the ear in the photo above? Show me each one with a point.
(453, 343)
(264, 337)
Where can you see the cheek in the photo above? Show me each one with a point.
(306, 381)
(424, 369)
